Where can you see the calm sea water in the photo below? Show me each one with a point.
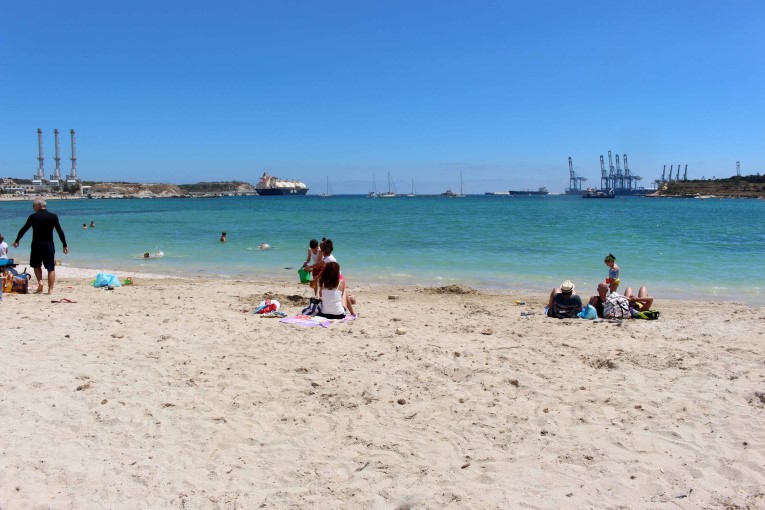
(681, 248)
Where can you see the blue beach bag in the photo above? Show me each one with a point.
(106, 280)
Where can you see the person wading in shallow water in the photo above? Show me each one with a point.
(43, 250)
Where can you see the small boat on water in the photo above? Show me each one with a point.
(373, 193)
(596, 193)
(449, 193)
(391, 189)
(328, 193)
(270, 186)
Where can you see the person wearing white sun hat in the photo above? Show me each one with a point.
(564, 302)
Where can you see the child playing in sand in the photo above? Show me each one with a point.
(314, 262)
(613, 272)
(312, 259)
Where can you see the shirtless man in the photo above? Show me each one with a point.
(43, 250)
(643, 300)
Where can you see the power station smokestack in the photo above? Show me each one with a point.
(40, 170)
(73, 175)
(57, 171)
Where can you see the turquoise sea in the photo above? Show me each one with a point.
(679, 248)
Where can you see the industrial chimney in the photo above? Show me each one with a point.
(38, 178)
(72, 178)
(56, 177)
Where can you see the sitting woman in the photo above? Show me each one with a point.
(335, 303)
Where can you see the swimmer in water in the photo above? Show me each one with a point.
(264, 246)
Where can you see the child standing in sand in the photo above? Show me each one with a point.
(613, 272)
(314, 262)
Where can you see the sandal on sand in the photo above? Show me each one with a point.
(63, 300)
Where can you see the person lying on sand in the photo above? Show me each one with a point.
(642, 302)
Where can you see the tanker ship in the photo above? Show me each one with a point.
(270, 186)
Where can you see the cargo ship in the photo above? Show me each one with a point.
(540, 191)
(271, 186)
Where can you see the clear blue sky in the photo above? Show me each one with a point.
(188, 91)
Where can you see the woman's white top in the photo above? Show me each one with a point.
(332, 301)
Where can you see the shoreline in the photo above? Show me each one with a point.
(172, 393)
(585, 289)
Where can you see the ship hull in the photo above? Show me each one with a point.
(529, 193)
(272, 192)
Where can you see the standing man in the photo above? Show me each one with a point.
(43, 249)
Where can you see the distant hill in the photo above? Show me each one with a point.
(131, 189)
(749, 186)
(135, 189)
(122, 189)
(218, 187)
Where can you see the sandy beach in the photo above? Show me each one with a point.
(171, 393)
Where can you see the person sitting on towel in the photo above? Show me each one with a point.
(335, 302)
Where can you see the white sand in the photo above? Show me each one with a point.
(166, 395)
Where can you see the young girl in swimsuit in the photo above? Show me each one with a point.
(613, 272)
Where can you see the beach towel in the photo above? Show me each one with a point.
(274, 314)
(306, 320)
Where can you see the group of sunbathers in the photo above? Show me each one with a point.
(565, 303)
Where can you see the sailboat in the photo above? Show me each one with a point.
(449, 193)
(329, 189)
(413, 190)
(373, 193)
(391, 189)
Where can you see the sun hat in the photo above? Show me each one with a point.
(566, 286)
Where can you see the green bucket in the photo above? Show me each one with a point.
(305, 275)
